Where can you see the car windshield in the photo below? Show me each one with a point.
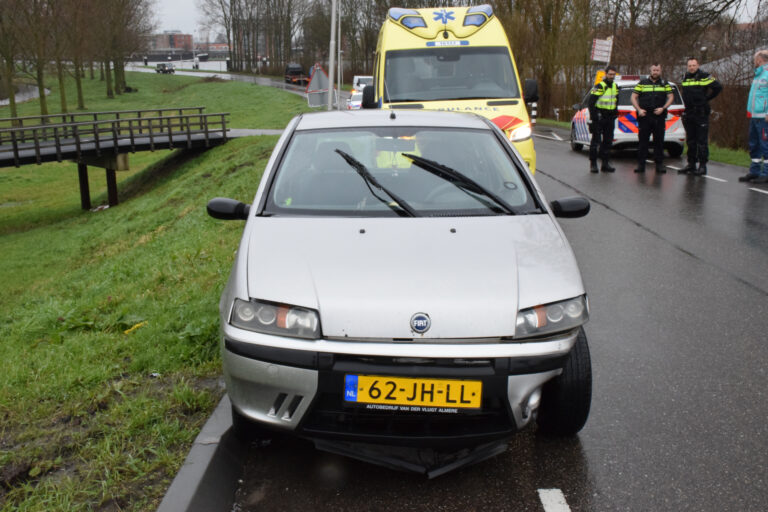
(313, 179)
(449, 74)
(368, 80)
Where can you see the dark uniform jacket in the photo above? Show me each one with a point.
(698, 89)
(652, 95)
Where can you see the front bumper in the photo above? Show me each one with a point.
(302, 390)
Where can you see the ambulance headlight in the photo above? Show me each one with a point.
(521, 133)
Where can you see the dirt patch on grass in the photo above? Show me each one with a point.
(61, 447)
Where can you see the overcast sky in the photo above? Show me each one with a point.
(183, 15)
(177, 15)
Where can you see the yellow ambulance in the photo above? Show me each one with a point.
(457, 59)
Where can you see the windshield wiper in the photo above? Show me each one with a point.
(371, 180)
(463, 182)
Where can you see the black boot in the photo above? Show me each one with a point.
(702, 170)
(661, 168)
(606, 167)
(593, 166)
(640, 168)
(688, 169)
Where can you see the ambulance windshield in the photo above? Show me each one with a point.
(455, 73)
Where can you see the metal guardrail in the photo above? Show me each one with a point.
(170, 131)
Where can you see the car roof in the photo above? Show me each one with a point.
(627, 82)
(382, 118)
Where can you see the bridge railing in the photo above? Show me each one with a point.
(76, 117)
(113, 135)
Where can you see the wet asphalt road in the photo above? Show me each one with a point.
(676, 268)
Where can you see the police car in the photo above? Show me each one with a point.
(625, 134)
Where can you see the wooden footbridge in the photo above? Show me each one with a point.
(104, 139)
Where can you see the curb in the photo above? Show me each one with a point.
(208, 479)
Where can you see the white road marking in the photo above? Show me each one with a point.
(759, 190)
(721, 180)
(673, 167)
(553, 500)
(556, 136)
(558, 139)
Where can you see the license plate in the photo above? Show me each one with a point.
(410, 392)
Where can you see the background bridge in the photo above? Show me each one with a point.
(103, 139)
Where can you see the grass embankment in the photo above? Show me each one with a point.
(35, 195)
(108, 320)
(716, 153)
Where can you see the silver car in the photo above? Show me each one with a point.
(401, 280)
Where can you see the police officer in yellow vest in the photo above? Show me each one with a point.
(699, 88)
(651, 98)
(603, 110)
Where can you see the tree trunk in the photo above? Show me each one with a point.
(101, 71)
(91, 66)
(40, 76)
(8, 79)
(79, 75)
(62, 88)
(108, 76)
(119, 85)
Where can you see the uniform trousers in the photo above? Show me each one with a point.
(651, 124)
(602, 138)
(696, 126)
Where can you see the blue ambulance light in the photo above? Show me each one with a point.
(478, 15)
(485, 9)
(474, 19)
(396, 13)
(414, 22)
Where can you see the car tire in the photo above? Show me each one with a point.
(575, 146)
(566, 399)
(675, 151)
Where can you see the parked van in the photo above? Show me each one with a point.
(457, 59)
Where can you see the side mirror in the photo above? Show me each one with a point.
(369, 97)
(531, 90)
(227, 209)
(576, 106)
(570, 207)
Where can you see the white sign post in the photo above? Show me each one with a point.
(601, 49)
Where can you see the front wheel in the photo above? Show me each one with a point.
(575, 146)
(675, 151)
(566, 399)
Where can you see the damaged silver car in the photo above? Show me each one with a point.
(402, 282)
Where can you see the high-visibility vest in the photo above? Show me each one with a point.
(608, 97)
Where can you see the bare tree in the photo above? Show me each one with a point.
(9, 47)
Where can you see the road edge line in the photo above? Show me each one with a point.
(553, 500)
(208, 479)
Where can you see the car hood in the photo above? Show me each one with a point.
(368, 277)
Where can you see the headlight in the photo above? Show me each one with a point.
(551, 318)
(271, 318)
(520, 133)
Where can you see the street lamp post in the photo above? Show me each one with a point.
(332, 54)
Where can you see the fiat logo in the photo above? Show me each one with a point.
(420, 323)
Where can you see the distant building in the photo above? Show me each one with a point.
(171, 40)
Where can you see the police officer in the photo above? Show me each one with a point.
(699, 88)
(603, 110)
(651, 97)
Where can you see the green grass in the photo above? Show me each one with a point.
(108, 320)
(249, 106)
(716, 154)
(35, 195)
